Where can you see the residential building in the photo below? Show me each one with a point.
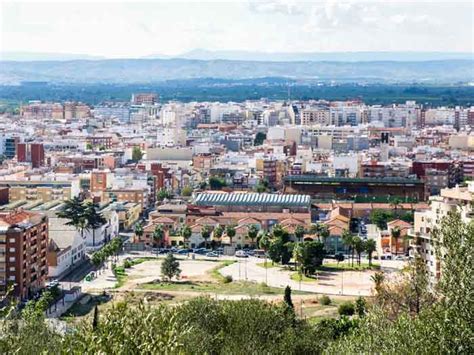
(23, 249)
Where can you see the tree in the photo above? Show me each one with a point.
(359, 247)
(170, 267)
(395, 234)
(395, 204)
(262, 186)
(370, 247)
(321, 230)
(187, 191)
(348, 241)
(230, 231)
(287, 297)
(94, 218)
(380, 218)
(206, 234)
(298, 258)
(299, 233)
(279, 248)
(158, 235)
(163, 194)
(218, 231)
(259, 138)
(312, 256)
(252, 232)
(378, 279)
(73, 210)
(360, 306)
(138, 230)
(264, 243)
(95, 320)
(137, 154)
(186, 233)
(216, 183)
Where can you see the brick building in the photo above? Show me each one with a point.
(23, 249)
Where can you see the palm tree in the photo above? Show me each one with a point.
(230, 231)
(94, 218)
(370, 247)
(186, 233)
(347, 240)
(158, 235)
(396, 202)
(138, 230)
(264, 243)
(321, 230)
(252, 232)
(359, 247)
(378, 278)
(218, 231)
(395, 234)
(205, 234)
(299, 233)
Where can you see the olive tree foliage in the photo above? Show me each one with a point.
(200, 326)
(421, 319)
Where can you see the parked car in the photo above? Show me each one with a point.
(259, 253)
(241, 254)
(183, 251)
(212, 254)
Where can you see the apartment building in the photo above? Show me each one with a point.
(23, 249)
(40, 190)
(454, 199)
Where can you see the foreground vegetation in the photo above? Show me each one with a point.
(406, 316)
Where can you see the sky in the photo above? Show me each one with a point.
(136, 29)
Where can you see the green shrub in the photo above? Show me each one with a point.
(227, 279)
(127, 264)
(324, 300)
(346, 309)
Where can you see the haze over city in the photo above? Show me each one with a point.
(136, 29)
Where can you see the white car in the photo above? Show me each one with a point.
(241, 254)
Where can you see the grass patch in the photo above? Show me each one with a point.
(120, 275)
(267, 265)
(214, 272)
(82, 309)
(296, 277)
(346, 266)
(232, 288)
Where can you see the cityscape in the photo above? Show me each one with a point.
(238, 200)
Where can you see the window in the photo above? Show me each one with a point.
(11, 259)
(12, 240)
(11, 277)
(12, 268)
(11, 250)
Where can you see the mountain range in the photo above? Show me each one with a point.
(360, 70)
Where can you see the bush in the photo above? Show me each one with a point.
(227, 279)
(325, 300)
(346, 309)
(127, 264)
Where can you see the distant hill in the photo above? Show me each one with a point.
(203, 54)
(158, 70)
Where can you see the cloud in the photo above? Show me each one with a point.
(285, 7)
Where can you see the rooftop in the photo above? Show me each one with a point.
(252, 199)
(326, 179)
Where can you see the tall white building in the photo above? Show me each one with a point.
(458, 198)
